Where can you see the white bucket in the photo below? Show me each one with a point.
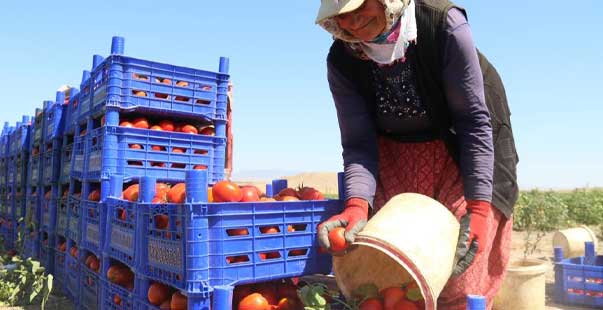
(412, 238)
(572, 240)
(523, 287)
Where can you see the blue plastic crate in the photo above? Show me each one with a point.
(120, 231)
(19, 141)
(221, 296)
(47, 241)
(62, 217)
(112, 292)
(39, 123)
(74, 228)
(81, 110)
(109, 153)
(34, 175)
(48, 210)
(78, 156)
(180, 90)
(30, 248)
(51, 163)
(94, 216)
(59, 261)
(19, 208)
(66, 151)
(55, 119)
(579, 280)
(205, 252)
(90, 288)
(72, 273)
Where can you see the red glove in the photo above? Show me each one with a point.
(473, 234)
(353, 218)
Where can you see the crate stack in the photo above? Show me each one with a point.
(33, 191)
(5, 218)
(579, 280)
(18, 160)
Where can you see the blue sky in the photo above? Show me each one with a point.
(549, 54)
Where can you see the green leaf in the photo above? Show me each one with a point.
(365, 291)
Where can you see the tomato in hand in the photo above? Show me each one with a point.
(337, 239)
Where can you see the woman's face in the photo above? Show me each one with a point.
(366, 22)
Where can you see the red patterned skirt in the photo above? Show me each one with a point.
(427, 168)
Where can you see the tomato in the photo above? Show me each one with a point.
(200, 167)
(161, 221)
(208, 131)
(122, 214)
(123, 124)
(117, 299)
(391, 296)
(49, 193)
(166, 305)
(337, 239)
(237, 232)
(167, 125)
(182, 83)
(131, 193)
(178, 150)
(288, 303)
(161, 190)
(260, 193)
(167, 81)
(94, 195)
(405, 305)
(240, 292)
(95, 265)
(83, 132)
(89, 260)
(141, 122)
(268, 291)
(371, 304)
(140, 93)
(136, 146)
(288, 198)
(309, 193)
(157, 148)
(288, 192)
(189, 129)
(156, 127)
(269, 230)
(249, 194)
(73, 251)
(226, 191)
(177, 193)
(158, 293)
(267, 199)
(179, 302)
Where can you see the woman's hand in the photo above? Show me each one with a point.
(353, 218)
(473, 234)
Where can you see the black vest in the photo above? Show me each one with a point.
(431, 18)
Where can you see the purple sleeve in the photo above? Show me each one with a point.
(463, 84)
(358, 137)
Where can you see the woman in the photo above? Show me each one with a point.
(421, 110)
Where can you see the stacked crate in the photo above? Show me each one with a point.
(33, 192)
(18, 161)
(579, 280)
(5, 222)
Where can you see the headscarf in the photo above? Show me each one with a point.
(390, 46)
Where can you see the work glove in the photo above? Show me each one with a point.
(473, 234)
(353, 218)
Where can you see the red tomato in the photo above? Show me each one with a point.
(237, 232)
(208, 131)
(309, 193)
(391, 296)
(288, 192)
(405, 305)
(161, 221)
(156, 127)
(254, 301)
(177, 193)
(269, 230)
(337, 239)
(136, 146)
(141, 122)
(167, 125)
(124, 124)
(225, 191)
(94, 195)
(157, 148)
(158, 293)
(200, 167)
(131, 193)
(255, 188)
(189, 129)
(182, 84)
(161, 190)
(249, 194)
(178, 150)
(371, 304)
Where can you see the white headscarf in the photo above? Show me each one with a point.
(394, 47)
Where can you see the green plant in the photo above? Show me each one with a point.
(536, 213)
(25, 284)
